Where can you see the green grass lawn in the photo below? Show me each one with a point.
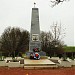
(69, 49)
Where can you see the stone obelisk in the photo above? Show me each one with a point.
(35, 41)
(35, 31)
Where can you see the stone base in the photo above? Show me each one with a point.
(39, 64)
(41, 53)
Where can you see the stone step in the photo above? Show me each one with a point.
(39, 64)
(40, 67)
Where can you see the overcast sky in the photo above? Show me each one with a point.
(17, 13)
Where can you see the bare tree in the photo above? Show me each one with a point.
(56, 2)
(58, 33)
(46, 37)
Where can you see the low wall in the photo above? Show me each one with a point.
(14, 64)
(2, 63)
(65, 64)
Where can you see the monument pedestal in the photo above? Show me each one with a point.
(41, 53)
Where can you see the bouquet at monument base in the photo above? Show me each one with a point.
(35, 56)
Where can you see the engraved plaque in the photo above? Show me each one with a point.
(35, 37)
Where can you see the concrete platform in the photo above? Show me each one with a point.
(39, 64)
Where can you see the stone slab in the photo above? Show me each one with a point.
(2, 63)
(14, 64)
(69, 60)
(55, 58)
(65, 64)
(41, 61)
(73, 62)
(8, 58)
(40, 67)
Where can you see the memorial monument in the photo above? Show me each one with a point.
(35, 51)
(35, 39)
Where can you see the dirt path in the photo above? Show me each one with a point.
(21, 71)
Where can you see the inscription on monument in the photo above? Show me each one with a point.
(35, 37)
